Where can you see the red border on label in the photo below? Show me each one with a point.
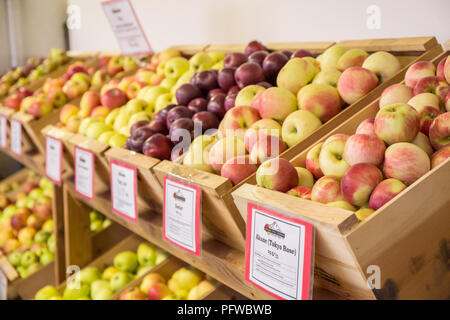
(128, 166)
(3, 118)
(306, 259)
(20, 125)
(140, 27)
(93, 172)
(60, 159)
(197, 217)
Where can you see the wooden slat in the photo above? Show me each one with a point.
(392, 44)
(314, 47)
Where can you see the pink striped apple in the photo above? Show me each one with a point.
(277, 174)
(384, 192)
(440, 131)
(359, 181)
(312, 161)
(440, 156)
(327, 189)
(363, 148)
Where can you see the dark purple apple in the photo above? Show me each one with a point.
(129, 146)
(158, 146)
(234, 59)
(207, 119)
(258, 57)
(178, 113)
(186, 92)
(213, 92)
(197, 105)
(287, 53)
(139, 137)
(216, 105)
(181, 130)
(137, 125)
(230, 100)
(225, 78)
(301, 53)
(205, 80)
(234, 89)
(162, 114)
(177, 152)
(253, 46)
(264, 84)
(159, 126)
(273, 63)
(248, 73)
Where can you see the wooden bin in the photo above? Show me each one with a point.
(408, 238)
(220, 215)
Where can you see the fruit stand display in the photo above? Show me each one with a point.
(403, 229)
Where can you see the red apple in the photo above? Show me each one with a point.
(176, 113)
(366, 127)
(207, 120)
(301, 192)
(266, 147)
(238, 169)
(434, 85)
(277, 174)
(326, 189)
(272, 64)
(427, 115)
(312, 161)
(440, 156)
(440, 131)
(187, 92)
(133, 293)
(158, 146)
(363, 148)
(384, 192)
(238, 120)
(258, 57)
(113, 98)
(359, 181)
(225, 78)
(197, 105)
(139, 137)
(254, 46)
(248, 73)
(234, 60)
(216, 105)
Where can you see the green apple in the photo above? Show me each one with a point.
(111, 117)
(106, 223)
(22, 202)
(85, 123)
(330, 57)
(161, 256)
(45, 256)
(143, 270)
(48, 226)
(146, 254)
(126, 261)
(30, 203)
(185, 78)
(46, 293)
(117, 140)
(176, 66)
(14, 258)
(81, 77)
(119, 280)
(71, 292)
(121, 120)
(135, 106)
(89, 275)
(168, 83)
(32, 268)
(105, 136)
(217, 56)
(22, 271)
(217, 65)
(41, 236)
(104, 294)
(96, 225)
(162, 101)
(97, 286)
(129, 63)
(28, 258)
(56, 298)
(9, 211)
(200, 61)
(51, 243)
(150, 94)
(109, 272)
(96, 129)
(246, 95)
(94, 215)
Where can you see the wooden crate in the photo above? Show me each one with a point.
(408, 238)
(219, 213)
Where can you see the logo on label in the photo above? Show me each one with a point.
(274, 229)
(178, 196)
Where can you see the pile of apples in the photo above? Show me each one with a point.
(26, 227)
(409, 135)
(96, 285)
(98, 221)
(184, 284)
(35, 68)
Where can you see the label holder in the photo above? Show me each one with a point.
(58, 180)
(77, 148)
(14, 123)
(133, 168)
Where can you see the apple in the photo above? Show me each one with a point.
(384, 192)
(332, 160)
(214, 92)
(276, 103)
(113, 98)
(149, 280)
(396, 93)
(126, 261)
(200, 61)
(447, 70)
(300, 53)
(96, 129)
(72, 292)
(328, 76)
(26, 235)
(14, 258)
(238, 169)
(10, 245)
(434, 85)
(266, 126)
(234, 59)
(205, 80)
(115, 65)
(254, 46)
(425, 99)
(330, 57)
(417, 71)
(186, 92)
(359, 181)
(356, 82)
(207, 120)
(225, 78)
(405, 162)
(272, 65)
(321, 99)
(295, 74)
(326, 189)
(28, 258)
(181, 130)
(132, 294)
(150, 95)
(397, 123)
(366, 127)
(99, 78)
(46, 293)
(109, 272)
(176, 67)
(246, 95)
(440, 68)
(198, 105)
(383, 64)
(73, 89)
(248, 73)
(158, 146)
(159, 126)
(422, 141)
(305, 177)
(157, 291)
(277, 174)
(238, 120)
(351, 58)
(201, 290)
(298, 125)
(440, 131)
(342, 204)
(216, 105)
(440, 156)
(119, 280)
(266, 147)
(258, 57)
(176, 113)
(363, 148)
(40, 108)
(100, 290)
(300, 192)
(225, 149)
(312, 161)
(183, 280)
(447, 102)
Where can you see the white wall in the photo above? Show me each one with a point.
(171, 22)
(5, 59)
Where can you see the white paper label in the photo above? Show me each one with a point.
(276, 255)
(16, 137)
(182, 214)
(126, 27)
(3, 286)
(53, 159)
(123, 190)
(84, 172)
(3, 128)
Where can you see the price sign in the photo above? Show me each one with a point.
(279, 254)
(126, 27)
(3, 128)
(124, 189)
(16, 137)
(84, 172)
(182, 207)
(53, 159)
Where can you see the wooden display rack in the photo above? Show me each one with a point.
(219, 213)
(407, 238)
